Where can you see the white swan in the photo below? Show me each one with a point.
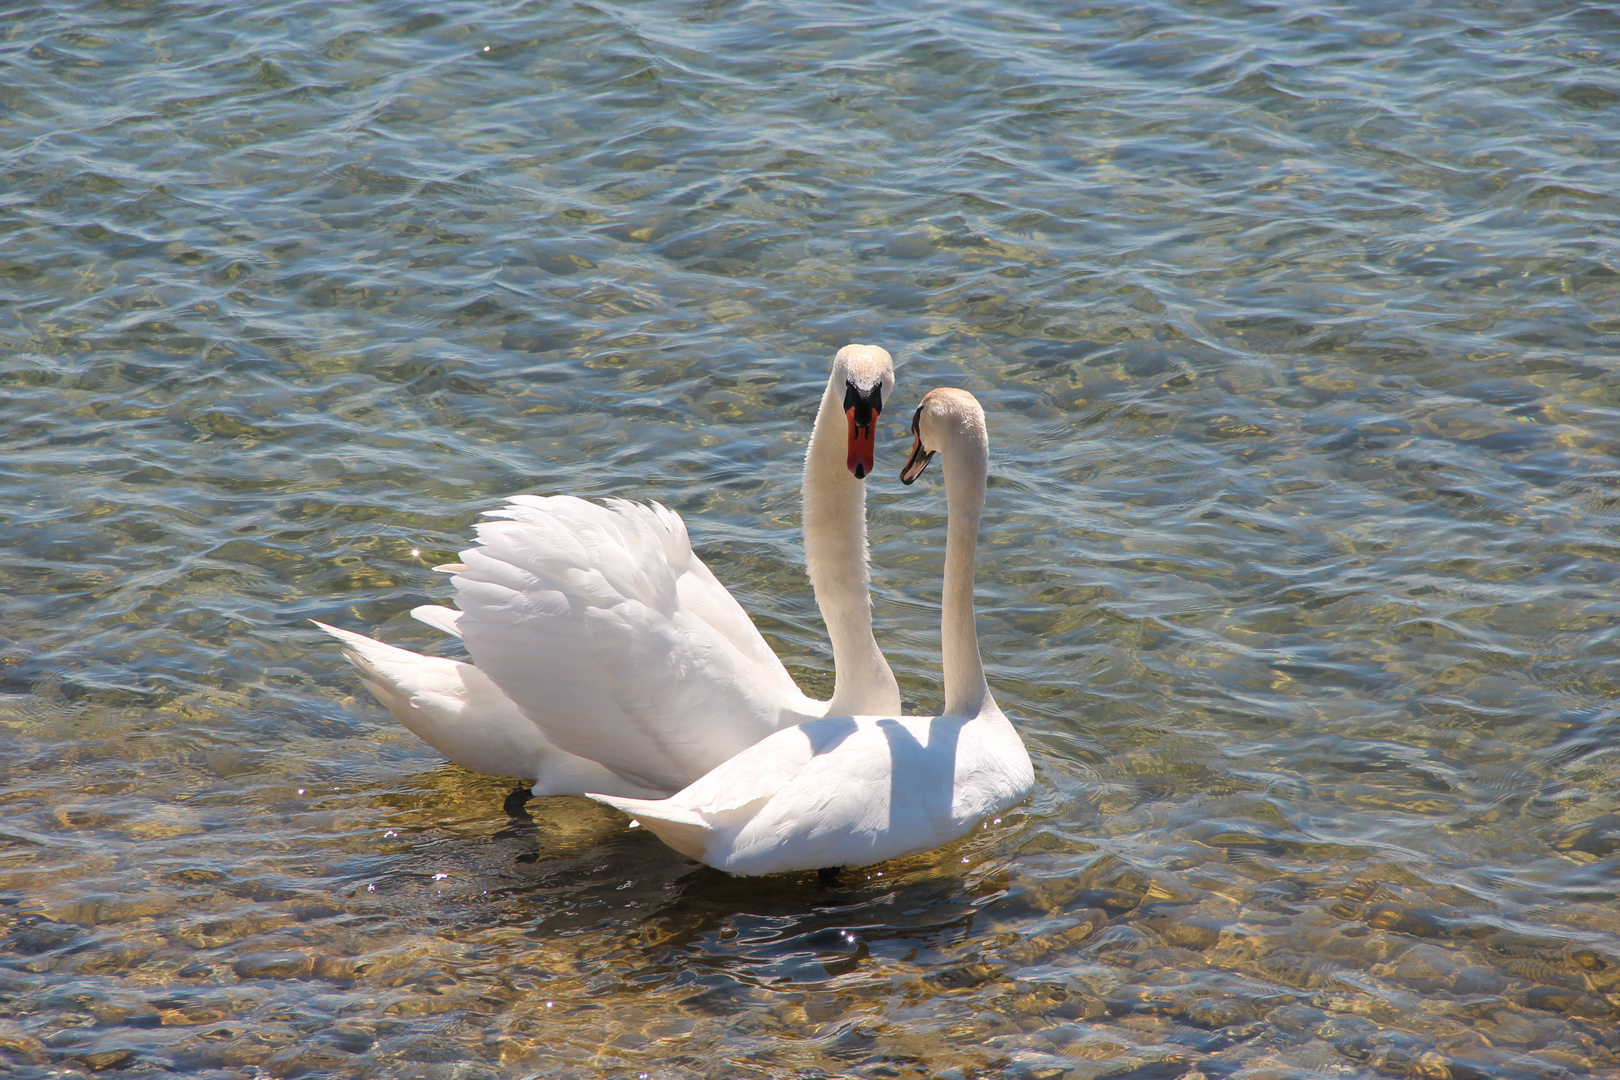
(855, 790)
(608, 657)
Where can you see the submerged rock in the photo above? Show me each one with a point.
(1599, 837)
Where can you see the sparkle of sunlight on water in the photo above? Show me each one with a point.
(1295, 324)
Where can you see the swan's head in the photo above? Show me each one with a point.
(946, 415)
(868, 376)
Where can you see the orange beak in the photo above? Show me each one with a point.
(862, 445)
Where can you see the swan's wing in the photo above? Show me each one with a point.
(703, 596)
(724, 799)
(606, 630)
(842, 791)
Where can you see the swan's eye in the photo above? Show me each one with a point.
(877, 399)
(851, 396)
(916, 416)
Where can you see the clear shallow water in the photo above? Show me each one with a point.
(1295, 325)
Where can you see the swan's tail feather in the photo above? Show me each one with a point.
(439, 617)
(371, 660)
(457, 710)
(684, 830)
(449, 705)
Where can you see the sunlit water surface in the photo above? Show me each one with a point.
(1296, 326)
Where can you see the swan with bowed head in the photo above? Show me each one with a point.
(608, 659)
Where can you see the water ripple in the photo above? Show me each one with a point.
(1293, 329)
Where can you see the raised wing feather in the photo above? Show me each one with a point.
(607, 631)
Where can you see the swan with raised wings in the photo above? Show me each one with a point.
(855, 790)
(608, 658)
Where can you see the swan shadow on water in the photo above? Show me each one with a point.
(715, 928)
(560, 866)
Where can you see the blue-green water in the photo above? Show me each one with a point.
(1296, 326)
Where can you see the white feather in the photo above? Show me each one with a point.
(440, 618)
(608, 633)
(843, 791)
(454, 708)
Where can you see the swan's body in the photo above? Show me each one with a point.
(609, 658)
(854, 790)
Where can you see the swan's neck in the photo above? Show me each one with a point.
(967, 468)
(836, 558)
